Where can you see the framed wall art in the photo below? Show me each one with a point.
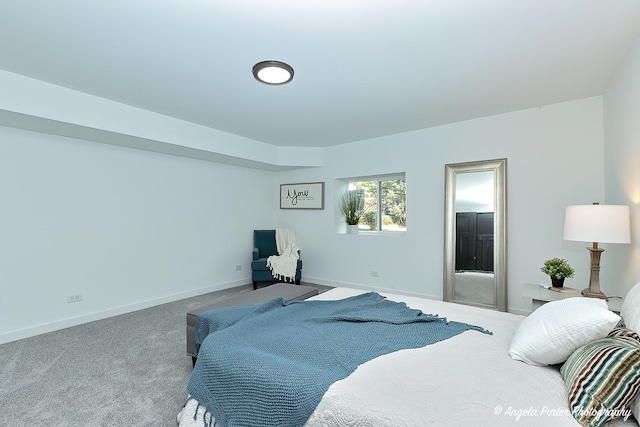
(306, 195)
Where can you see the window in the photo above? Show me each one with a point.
(384, 202)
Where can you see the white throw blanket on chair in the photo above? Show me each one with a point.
(283, 266)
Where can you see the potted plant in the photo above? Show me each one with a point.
(351, 205)
(558, 269)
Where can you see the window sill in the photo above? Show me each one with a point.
(376, 233)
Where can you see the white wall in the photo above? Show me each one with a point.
(129, 229)
(554, 159)
(621, 263)
(126, 228)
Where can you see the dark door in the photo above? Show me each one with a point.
(474, 241)
(465, 241)
(484, 241)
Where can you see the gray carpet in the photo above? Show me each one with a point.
(128, 370)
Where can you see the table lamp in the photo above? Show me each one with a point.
(597, 223)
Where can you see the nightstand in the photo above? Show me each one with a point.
(540, 294)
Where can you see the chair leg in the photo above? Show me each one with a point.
(255, 285)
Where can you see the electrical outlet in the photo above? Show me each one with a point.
(374, 274)
(74, 298)
(238, 267)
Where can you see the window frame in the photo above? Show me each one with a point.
(398, 176)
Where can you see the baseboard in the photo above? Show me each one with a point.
(519, 311)
(91, 317)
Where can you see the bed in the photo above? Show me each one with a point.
(469, 379)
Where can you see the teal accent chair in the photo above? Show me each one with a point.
(264, 245)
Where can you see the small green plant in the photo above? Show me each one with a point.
(558, 268)
(351, 205)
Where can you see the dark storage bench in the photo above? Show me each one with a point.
(287, 291)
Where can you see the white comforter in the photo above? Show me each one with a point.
(467, 380)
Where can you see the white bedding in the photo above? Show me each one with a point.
(467, 380)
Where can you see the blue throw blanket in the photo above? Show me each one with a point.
(270, 364)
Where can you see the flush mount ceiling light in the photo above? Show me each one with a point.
(273, 72)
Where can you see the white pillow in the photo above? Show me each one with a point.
(631, 309)
(551, 333)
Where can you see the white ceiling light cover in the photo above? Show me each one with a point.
(273, 72)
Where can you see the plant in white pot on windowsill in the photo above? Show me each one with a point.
(558, 269)
(351, 205)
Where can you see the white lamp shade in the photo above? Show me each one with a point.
(597, 223)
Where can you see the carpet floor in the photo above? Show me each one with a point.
(127, 370)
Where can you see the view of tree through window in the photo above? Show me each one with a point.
(384, 204)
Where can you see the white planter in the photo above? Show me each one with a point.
(352, 229)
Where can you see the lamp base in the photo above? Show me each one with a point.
(593, 294)
(593, 291)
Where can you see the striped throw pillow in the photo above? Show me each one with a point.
(603, 377)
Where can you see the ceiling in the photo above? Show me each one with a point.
(363, 69)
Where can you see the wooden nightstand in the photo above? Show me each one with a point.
(540, 294)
